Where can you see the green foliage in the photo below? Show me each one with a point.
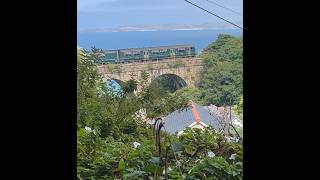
(108, 158)
(129, 86)
(239, 107)
(221, 76)
(166, 84)
(96, 55)
(217, 168)
(222, 84)
(205, 140)
(161, 104)
(192, 148)
(191, 93)
(87, 92)
(121, 165)
(98, 107)
(227, 48)
(106, 150)
(157, 101)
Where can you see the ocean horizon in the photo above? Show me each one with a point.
(139, 39)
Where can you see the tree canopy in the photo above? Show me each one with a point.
(221, 77)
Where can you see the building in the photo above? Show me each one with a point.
(195, 116)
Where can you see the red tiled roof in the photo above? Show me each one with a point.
(181, 119)
(195, 112)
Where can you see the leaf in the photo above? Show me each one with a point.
(174, 174)
(234, 173)
(134, 174)
(140, 163)
(121, 165)
(239, 164)
(189, 150)
(130, 170)
(177, 146)
(155, 160)
(154, 168)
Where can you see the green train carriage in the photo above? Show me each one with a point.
(147, 54)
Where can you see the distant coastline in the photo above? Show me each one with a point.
(162, 27)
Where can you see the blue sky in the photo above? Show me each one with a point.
(93, 14)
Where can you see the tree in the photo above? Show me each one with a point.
(222, 85)
(191, 93)
(96, 55)
(88, 80)
(129, 86)
(157, 100)
(221, 77)
(226, 47)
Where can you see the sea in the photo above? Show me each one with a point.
(138, 39)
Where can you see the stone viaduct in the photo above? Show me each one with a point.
(186, 70)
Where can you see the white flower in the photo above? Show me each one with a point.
(228, 139)
(88, 129)
(232, 157)
(232, 139)
(136, 144)
(178, 163)
(164, 171)
(210, 154)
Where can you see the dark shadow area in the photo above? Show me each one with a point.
(169, 82)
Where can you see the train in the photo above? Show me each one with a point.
(146, 54)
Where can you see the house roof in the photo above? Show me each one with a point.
(179, 120)
(209, 119)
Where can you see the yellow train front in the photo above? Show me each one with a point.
(147, 54)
